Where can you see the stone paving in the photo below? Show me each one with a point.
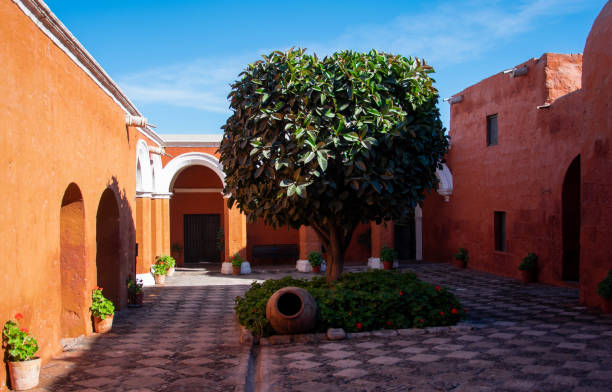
(525, 337)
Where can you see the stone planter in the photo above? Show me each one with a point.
(387, 265)
(160, 280)
(24, 375)
(291, 310)
(528, 276)
(103, 326)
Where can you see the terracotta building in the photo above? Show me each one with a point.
(532, 164)
(93, 195)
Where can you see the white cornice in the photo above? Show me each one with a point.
(53, 28)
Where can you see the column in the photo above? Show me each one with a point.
(235, 229)
(382, 234)
(309, 242)
(143, 237)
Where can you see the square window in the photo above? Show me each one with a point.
(499, 219)
(492, 130)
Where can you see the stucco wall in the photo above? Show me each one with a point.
(58, 127)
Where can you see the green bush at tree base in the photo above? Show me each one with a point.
(356, 302)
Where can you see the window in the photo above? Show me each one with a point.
(492, 130)
(499, 218)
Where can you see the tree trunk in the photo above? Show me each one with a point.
(335, 254)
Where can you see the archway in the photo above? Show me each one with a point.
(571, 221)
(107, 246)
(405, 239)
(72, 262)
(197, 214)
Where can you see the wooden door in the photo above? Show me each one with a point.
(405, 238)
(200, 236)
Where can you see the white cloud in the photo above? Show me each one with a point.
(450, 33)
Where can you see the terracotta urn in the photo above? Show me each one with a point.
(528, 276)
(291, 310)
(387, 265)
(235, 270)
(316, 269)
(458, 263)
(103, 326)
(24, 375)
(160, 280)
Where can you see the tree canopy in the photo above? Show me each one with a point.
(328, 143)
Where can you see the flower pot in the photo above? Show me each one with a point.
(316, 269)
(458, 263)
(528, 276)
(606, 305)
(171, 271)
(103, 326)
(235, 270)
(24, 375)
(291, 310)
(387, 265)
(160, 280)
(135, 300)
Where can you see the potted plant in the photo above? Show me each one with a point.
(315, 259)
(460, 258)
(236, 261)
(135, 292)
(529, 268)
(387, 256)
(169, 261)
(160, 270)
(604, 288)
(24, 368)
(102, 310)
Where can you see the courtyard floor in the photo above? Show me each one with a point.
(524, 337)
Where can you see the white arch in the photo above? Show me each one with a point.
(178, 164)
(445, 186)
(144, 177)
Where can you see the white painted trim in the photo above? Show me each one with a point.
(161, 195)
(146, 171)
(183, 161)
(192, 144)
(53, 28)
(140, 195)
(198, 190)
(418, 232)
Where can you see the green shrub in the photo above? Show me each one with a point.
(165, 259)
(236, 260)
(362, 301)
(100, 305)
(462, 255)
(315, 258)
(530, 262)
(160, 269)
(604, 288)
(388, 254)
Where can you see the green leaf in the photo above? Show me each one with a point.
(309, 157)
(322, 159)
(291, 190)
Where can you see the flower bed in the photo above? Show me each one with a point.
(357, 302)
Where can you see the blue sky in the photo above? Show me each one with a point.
(176, 60)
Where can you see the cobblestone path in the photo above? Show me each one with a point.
(183, 339)
(526, 338)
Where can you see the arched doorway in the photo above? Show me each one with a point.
(72, 262)
(107, 246)
(196, 214)
(404, 236)
(571, 222)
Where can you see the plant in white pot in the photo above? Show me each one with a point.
(160, 270)
(24, 368)
(169, 261)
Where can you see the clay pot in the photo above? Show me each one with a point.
(528, 276)
(24, 375)
(235, 270)
(458, 263)
(171, 271)
(291, 310)
(606, 305)
(316, 269)
(135, 300)
(387, 265)
(103, 326)
(160, 279)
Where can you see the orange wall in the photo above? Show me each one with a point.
(259, 233)
(58, 127)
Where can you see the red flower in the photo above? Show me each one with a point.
(441, 313)
(24, 330)
(255, 310)
(350, 313)
(389, 323)
(359, 326)
(401, 293)
(19, 316)
(421, 321)
(464, 310)
(454, 311)
(438, 288)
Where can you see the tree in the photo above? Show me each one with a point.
(328, 143)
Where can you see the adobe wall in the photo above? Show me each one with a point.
(596, 247)
(521, 175)
(58, 127)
